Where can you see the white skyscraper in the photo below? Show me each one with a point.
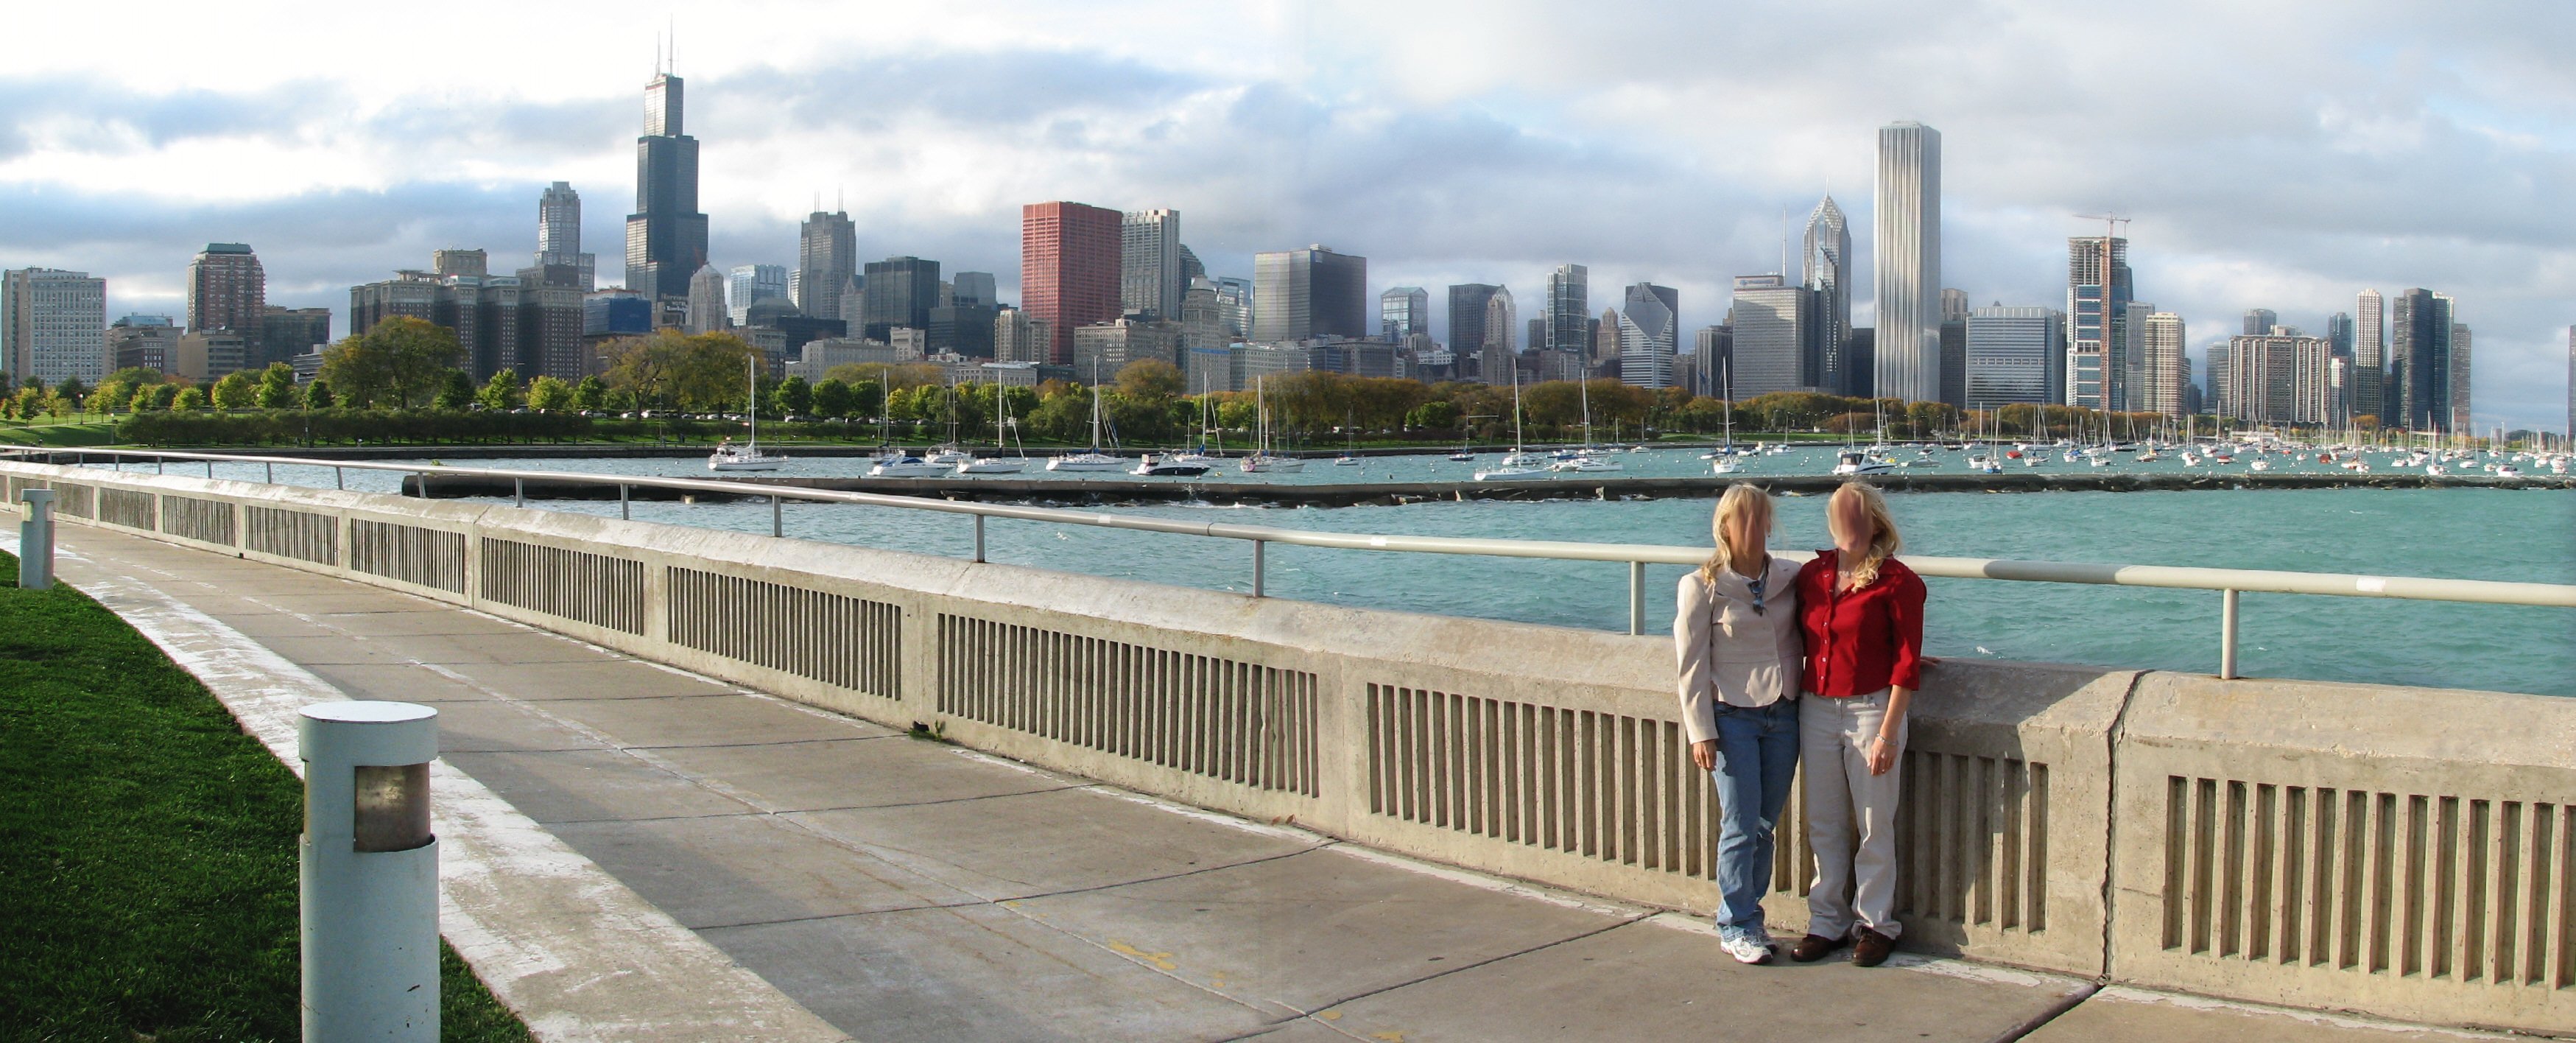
(1149, 263)
(559, 234)
(1908, 247)
(53, 325)
(707, 311)
(1649, 335)
(827, 254)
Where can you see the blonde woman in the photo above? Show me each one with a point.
(1861, 614)
(1736, 634)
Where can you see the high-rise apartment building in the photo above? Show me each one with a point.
(2276, 379)
(2015, 356)
(707, 311)
(750, 284)
(827, 254)
(2460, 417)
(1827, 271)
(2370, 357)
(53, 325)
(1314, 292)
(1649, 335)
(142, 341)
(1954, 349)
(559, 240)
(1774, 348)
(666, 236)
(1908, 262)
(227, 289)
(500, 323)
(459, 261)
(1021, 337)
(2162, 368)
(1467, 318)
(2098, 293)
(1070, 268)
(1569, 324)
(901, 291)
(2259, 321)
(1403, 311)
(2420, 361)
(1149, 263)
(287, 332)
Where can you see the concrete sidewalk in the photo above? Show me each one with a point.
(903, 889)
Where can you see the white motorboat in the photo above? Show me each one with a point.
(1726, 466)
(1588, 465)
(747, 456)
(906, 465)
(1169, 465)
(1855, 463)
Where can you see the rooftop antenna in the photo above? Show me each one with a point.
(1784, 243)
(674, 33)
(657, 54)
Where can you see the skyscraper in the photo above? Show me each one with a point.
(973, 289)
(1069, 268)
(1569, 326)
(1403, 311)
(1649, 335)
(666, 236)
(2161, 364)
(901, 291)
(707, 311)
(1149, 263)
(2460, 417)
(1314, 292)
(750, 284)
(2259, 321)
(1772, 348)
(1909, 263)
(227, 290)
(1954, 349)
(53, 325)
(1502, 338)
(2370, 358)
(2014, 355)
(2339, 334)
(2098, 293)
(559, 237)
(2420, 361)
(2276, 379)
(1467, 318)
(827, 253)
(1828, 260)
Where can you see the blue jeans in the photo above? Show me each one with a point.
(1757, 754)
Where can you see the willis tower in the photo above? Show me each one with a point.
(666, 238)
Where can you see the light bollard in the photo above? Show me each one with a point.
(36, 540)
(369, 881)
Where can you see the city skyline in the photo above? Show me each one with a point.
(2439, 177)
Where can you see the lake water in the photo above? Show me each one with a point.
(2464, 533)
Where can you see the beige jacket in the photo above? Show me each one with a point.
(1730, 654)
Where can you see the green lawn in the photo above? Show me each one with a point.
(147, 847)
(59, 434)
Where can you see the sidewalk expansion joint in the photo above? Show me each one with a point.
(1487, 962)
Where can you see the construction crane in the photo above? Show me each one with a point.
(2110, 223)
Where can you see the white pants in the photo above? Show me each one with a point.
(1844, 799)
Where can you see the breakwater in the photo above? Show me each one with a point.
(1258, 493)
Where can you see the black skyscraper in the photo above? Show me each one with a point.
(900, 292)
(666, 238)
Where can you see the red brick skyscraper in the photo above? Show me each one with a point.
(1069, 268)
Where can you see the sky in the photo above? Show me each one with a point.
(2282, 155)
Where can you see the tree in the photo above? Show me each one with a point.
(155, 397)
(455, 392)
(71, 391)
(398, 364)
(235, 391)
(277, 386)
(591, 395)
(112, 395)
(549, 394)
(1151, 381)
(502, 393)
(793, 397)
(832, 398)
(188, 400)
(671, 370)
(317, 395)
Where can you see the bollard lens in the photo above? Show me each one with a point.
(392, 808)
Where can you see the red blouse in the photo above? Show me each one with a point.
(1859, 641)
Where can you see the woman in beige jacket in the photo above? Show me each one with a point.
(1737, 638)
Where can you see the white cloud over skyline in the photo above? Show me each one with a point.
(2281, 155)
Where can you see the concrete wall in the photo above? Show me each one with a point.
(2403, 852)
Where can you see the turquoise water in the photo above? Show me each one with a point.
(2464, 533)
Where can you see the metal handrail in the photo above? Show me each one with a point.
(2229, 582)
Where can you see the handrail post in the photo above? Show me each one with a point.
(777, 517)
(979, 539)
(625, 508)
(272, 472)
(2227, 634)
(160, 465)
(518, 491)
(210, 469)
(1260, 549)
(339, 477)
(1636, 598)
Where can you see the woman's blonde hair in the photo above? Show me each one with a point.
(1741, 500)
(1883, 545)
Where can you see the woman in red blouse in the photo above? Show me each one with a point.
(1861, 611)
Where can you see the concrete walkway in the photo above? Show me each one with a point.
(903, 889)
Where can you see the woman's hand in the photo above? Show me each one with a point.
(1882, 755)
(1704, 754)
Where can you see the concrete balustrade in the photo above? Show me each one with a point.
(2402, 852)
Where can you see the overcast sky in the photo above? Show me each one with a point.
(2278, 154)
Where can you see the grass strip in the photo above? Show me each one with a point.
(148, 847)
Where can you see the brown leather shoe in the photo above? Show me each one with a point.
(1870, 948)
(1814, 947)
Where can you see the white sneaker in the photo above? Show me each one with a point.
(1745, 946)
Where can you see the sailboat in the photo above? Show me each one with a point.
(1094, 459)
(997, 463)
(1588, 459)
(1261, 461)
(1726, 459)
(1187, 463)
(1516, 467)
(949, 453)
(747, 456)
